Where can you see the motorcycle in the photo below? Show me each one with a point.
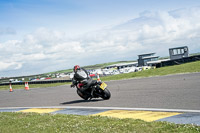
(96, 89)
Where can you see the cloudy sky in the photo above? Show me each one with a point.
(39, 36)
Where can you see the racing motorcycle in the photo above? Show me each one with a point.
(96, 89)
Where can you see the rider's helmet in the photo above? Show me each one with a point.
(77, 67)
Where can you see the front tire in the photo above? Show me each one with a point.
(106, 94)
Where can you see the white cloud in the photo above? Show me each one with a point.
(10, 66)
(48, 50)
(7, 31)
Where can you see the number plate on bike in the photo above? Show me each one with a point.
(103, 86)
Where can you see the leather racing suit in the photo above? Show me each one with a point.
(81, 79)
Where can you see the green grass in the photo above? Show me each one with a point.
(49, 123)
(183, 68)
(7, 87)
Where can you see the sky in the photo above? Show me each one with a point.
(39, 36)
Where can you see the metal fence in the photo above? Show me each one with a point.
(36, 82)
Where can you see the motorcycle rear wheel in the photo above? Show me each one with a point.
(106, 94)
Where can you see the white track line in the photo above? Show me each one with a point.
(111, 108)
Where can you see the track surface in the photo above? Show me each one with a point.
(164, 92)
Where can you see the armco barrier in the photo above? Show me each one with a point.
(36, 82)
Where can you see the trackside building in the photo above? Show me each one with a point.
(144, 58)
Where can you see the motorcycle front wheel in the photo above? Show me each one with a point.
(106, 94)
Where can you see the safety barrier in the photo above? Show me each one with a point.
(36, 82)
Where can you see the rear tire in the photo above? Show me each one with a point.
(106, 94)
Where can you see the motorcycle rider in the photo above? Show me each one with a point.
(80, 78)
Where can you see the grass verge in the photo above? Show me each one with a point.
(7, 87)
(49, 123)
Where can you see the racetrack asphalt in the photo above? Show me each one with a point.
(173, 93)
